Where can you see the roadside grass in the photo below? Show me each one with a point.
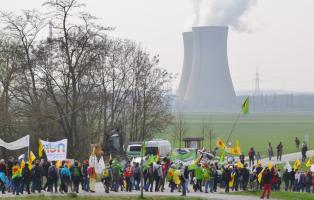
(302, 167)
(77, 197)
(253, 130)
(280, 195)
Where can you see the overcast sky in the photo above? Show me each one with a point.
(280, 42)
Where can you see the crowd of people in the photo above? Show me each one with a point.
(203, 175)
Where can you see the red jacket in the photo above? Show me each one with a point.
(128, 172)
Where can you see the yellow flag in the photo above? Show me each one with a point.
(58, 163)
(22, 164)
(309, 163)
(234, 151)
(32, 156)
(40, 149)
(270, 166)
(260, 175)
(30, 166)
(258, 163)
(240, 165)
(231, 182)
(238, 146)
(220, 143)
(296, 164)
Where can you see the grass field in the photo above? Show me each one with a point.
(253, 130)
(75, 197)
(281, 195)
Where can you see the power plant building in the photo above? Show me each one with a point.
(206, 83)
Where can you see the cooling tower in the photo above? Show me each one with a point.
(187, 65)
(210, 86)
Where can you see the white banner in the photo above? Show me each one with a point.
(55, 150)
(18, 144)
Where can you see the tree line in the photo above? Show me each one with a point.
(78, 84)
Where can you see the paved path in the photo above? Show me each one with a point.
(100, 192)
(288, 157)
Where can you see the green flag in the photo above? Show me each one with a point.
(222, 157)
(246, 106)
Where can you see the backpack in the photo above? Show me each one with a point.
(90, 171)
(156, 172)
(52, 172)
(206, 174)
(137, 173)
(186, 174)
(76, 172)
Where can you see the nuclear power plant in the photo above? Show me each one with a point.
(206, 83)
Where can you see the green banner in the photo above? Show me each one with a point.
(185, 158)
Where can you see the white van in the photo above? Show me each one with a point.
(152, 148)
(155, 145)
(134, 150)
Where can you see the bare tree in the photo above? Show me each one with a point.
(80, 84)
(180, 130)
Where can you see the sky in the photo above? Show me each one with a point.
(278, 41)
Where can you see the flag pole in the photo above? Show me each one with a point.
(142, 180)
(234, 125)
(244, 109)
(28, 152)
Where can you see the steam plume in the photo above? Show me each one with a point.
(219, 13)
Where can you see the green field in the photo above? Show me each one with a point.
(280, 195)
(253, 130)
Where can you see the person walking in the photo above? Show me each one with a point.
(92, 178)
(169, 177)
(270, 151)
(286, 179)
(26, 178)
(157, 175)
(245, 173)
(107, 178)
(150, 178)
(251, 155)
(45, 168)
(279, 151)
(137, 176)
(303, 151)
(85, 181)
(266, 179)
(65, 177)
(3, 178)
(128, 173)
(182, 179)
(16, 178)
(227, 177)
(297, 143)
(52, 176)
(206, 177)
(198, 172)
(76, 176)
(242, 158)
(36, 177)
